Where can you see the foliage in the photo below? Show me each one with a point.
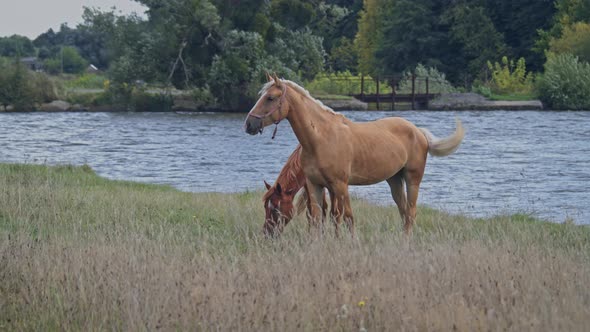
(202, 97)
(45, 88)
(292, 14)
(568, 13)
(455, 37)
(565, 82)
(16, 46)
(142, 101)
(482, 89)
(519, 22)
(415, 34)
(343, 56)
(236, 74)
(87, 81)
(508, 77)
(67, 61)
(301, 51)
(575, 39)
(16, 86)
(22, 89)
(474, 33)
(368, 37)
(437, 81)
(233, 81)
(184, 43)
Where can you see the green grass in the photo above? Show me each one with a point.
(513, 97)
(332, 97)
(84, 81)
(80, 252)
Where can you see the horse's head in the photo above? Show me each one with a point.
(270, 108)
(278, 207)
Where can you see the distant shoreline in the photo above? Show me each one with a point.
(445, 102)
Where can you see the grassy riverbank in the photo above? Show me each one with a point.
(79, 252)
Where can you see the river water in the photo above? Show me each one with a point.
(510, 161)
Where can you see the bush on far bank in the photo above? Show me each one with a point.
(565, 84)
(22, 89)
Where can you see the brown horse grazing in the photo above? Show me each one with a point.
(337, 152)
(279, 200)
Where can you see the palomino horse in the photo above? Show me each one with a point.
(280, 198)
(337, 152)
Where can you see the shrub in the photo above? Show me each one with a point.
(510, 78)
(87, 81)
(437, 81)
(22, 88)
(203, 96)
(565, 83)
(142, 101)
(44, 88)
(16, 86)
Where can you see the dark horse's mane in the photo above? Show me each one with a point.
(289, 173)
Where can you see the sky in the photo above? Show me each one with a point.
(33, 17)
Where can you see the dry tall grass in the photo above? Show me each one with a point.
(78, 252)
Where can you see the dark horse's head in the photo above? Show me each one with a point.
(271, 107)
(278, 207)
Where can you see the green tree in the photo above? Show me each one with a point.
(519, 23)
(186, 34)
(299, 50)
(292, 14)
(232, 81)
(478, 41)
(575, 39)
(568, 12)
(343, 56)
(73, 63)
(368, 37)
(414, 32)
(16, 46)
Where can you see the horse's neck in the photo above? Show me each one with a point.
(292, 183)
(307, 118)
(291, 176)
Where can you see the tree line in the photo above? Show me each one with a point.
(224, 47)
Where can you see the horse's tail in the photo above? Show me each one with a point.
(440, 147)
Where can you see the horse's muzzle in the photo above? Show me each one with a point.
(253, 125)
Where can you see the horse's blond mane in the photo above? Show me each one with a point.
(300, 90)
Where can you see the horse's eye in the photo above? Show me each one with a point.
(271, 98)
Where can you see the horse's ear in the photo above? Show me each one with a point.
(268, 77)
(276, 79)
(279, 189)
(267, 185)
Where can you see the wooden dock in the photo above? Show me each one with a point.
(417, 98)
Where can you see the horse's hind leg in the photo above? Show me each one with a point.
(396, 185)
(413, 179)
